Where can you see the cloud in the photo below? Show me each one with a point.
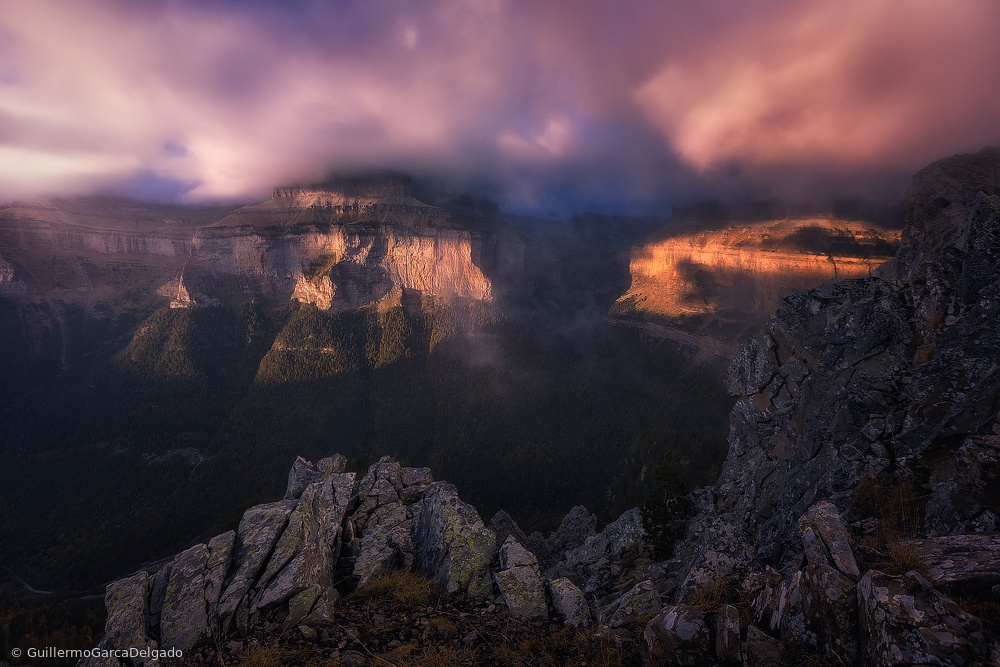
(586, 101)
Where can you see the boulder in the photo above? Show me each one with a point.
(969, 562)
(568, 602)
(762, 650)
(184, 621)
(258, 532)
(641, 601)
(826, 539)
(678, 635)
(503, 525)
(576, 527)
(451, 543)
(386, 544)
(519, 581)
(905, 621)
(220, 552)
(305, 554)
(127, 616)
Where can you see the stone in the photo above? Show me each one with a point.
(157, 591)
(386, 545)
(641, 601)
(597, 562)
(519, 581)
(220, 552)
(969, 562)
(184, 621)
(727, 635)
(125, 628)
(307, 551)
(678, 635)
(905, 621)
(503, 525)
(451, 543)
(762, 650)
(568, 602)
(823, 520)
(258, 532)
(576, 527)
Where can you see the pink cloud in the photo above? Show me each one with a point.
(237, 97)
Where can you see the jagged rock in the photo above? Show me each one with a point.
(905, 621)
(568, 602)
(305, 554)
(125, 628)
(451, 544)
(386, 544)
(727, 635)
(762, 650)
(641, 600)
(184, 619)
(597, 562)
(823, 521)
(576, 527)
(678, 635)
(971, 562)
(519, 581)
(415, 482)
(258, 532)
(220, 551)
(503, 526)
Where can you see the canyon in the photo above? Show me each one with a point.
(854, 521)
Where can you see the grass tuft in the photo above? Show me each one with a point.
(399, 586)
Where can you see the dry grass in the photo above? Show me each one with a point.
(400, 586)
(716, 593)
(901, 557)
(437, 656)
(262, 656)
(988, 611)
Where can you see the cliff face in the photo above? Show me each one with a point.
(879, 396)
(348, 243)
(742, 271)
(337, 268)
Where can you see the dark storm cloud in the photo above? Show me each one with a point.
(583, 101)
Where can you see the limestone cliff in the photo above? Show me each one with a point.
(348, 243)
(725, 278)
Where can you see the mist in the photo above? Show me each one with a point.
(544, 108)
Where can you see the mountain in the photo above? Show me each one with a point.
(709, 280)
(854, 521)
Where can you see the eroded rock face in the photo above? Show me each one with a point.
(596, 563)
(259, 531)
(905, 621)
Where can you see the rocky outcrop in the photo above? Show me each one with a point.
(452, 544)
(290, 561)
(905, 621)
(519, 582)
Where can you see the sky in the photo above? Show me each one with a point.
(616, 104)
